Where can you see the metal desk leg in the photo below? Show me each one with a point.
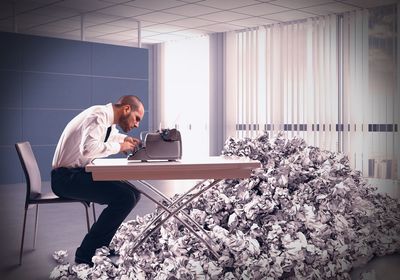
(173, 202)
(160, 204)
(215, 254)
(173, 213)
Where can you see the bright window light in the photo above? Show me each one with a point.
(186, 93)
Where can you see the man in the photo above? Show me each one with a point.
(93, 134)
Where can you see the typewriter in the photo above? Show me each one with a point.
(165, 144)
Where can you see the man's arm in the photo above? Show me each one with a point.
(115, 135)
(93, 144)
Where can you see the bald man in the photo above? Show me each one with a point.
(93, 134)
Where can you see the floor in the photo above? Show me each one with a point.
(62, 227)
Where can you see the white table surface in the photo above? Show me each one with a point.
(218, 167)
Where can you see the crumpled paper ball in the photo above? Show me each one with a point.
(305, 214)
(60, 256)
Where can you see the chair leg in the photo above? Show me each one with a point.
(23, 236)
(94, 213)
(36, 225)
(87, 218)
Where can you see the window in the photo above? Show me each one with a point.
(186, 93)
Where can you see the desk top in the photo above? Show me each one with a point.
(220, 167)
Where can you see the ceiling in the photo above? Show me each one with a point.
(116, 21)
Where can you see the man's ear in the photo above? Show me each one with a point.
(127, 109)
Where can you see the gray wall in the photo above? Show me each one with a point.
(45, 82)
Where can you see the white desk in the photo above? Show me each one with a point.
(211, 168)
(205, 168)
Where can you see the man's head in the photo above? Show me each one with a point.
(130, 112)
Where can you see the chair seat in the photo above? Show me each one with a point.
(50, 197)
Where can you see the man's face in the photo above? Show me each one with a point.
(130, 119)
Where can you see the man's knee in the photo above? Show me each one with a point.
(130, 197)
(134, 197)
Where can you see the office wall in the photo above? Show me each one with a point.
(45, 82)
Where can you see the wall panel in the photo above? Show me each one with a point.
(45, 82)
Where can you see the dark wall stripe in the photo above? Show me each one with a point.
(324, 127)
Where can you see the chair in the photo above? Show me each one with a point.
(34, 196)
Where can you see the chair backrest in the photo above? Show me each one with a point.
(31, 169)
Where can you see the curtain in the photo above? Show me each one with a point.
(283, 77)
(331, 80)
(371, 91)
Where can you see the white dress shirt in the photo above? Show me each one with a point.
(83, 138)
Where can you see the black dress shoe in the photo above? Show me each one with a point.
(79, 260)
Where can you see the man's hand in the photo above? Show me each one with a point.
(129, 144)
(134, 141)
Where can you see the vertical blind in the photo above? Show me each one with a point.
(371, 91)
(330, 80)
(285, 80)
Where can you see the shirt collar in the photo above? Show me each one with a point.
(110, 114)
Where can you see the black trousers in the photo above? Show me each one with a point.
(119, 197)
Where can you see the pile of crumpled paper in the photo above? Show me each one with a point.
(304, 215)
